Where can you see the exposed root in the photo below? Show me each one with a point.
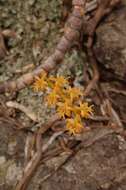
(105, 7)
(71, 34)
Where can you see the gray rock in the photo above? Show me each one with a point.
(110, 48)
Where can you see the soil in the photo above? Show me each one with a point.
(97, 163)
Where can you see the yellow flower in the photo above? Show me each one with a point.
(74, 93)
(74, 126)
(59, 81)
(64, 109)
(85, 110)
(50, 84)
(58, 90)
(76, 110)
(52, 98)
(65, 99)
(39, 84)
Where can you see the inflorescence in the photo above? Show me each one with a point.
(66, 100)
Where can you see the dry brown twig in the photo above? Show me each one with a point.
(6, 118)
(95, 79)
(33, 163)
(24, 109)
(109, 110)
(35, 160)
(117, 91)
(29, 147)
(104, 8)
(25, 68)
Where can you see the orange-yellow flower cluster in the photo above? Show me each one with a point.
(65, 99)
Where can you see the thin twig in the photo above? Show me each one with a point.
(22, 108)
(112, 113)
(99, 118)
(29, 147)
(32, 165)
(95, 79)
(52, 121)
(122, 92)
(51, 140)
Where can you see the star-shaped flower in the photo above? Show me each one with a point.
(64, 109)
(85, 110)
(40, 84)
(52, 98)
(59, 81)
(74, 93)
(74, 125)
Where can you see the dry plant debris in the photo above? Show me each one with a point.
(28, 112)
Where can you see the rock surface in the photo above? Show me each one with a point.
(99, 166)
(110, 47)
